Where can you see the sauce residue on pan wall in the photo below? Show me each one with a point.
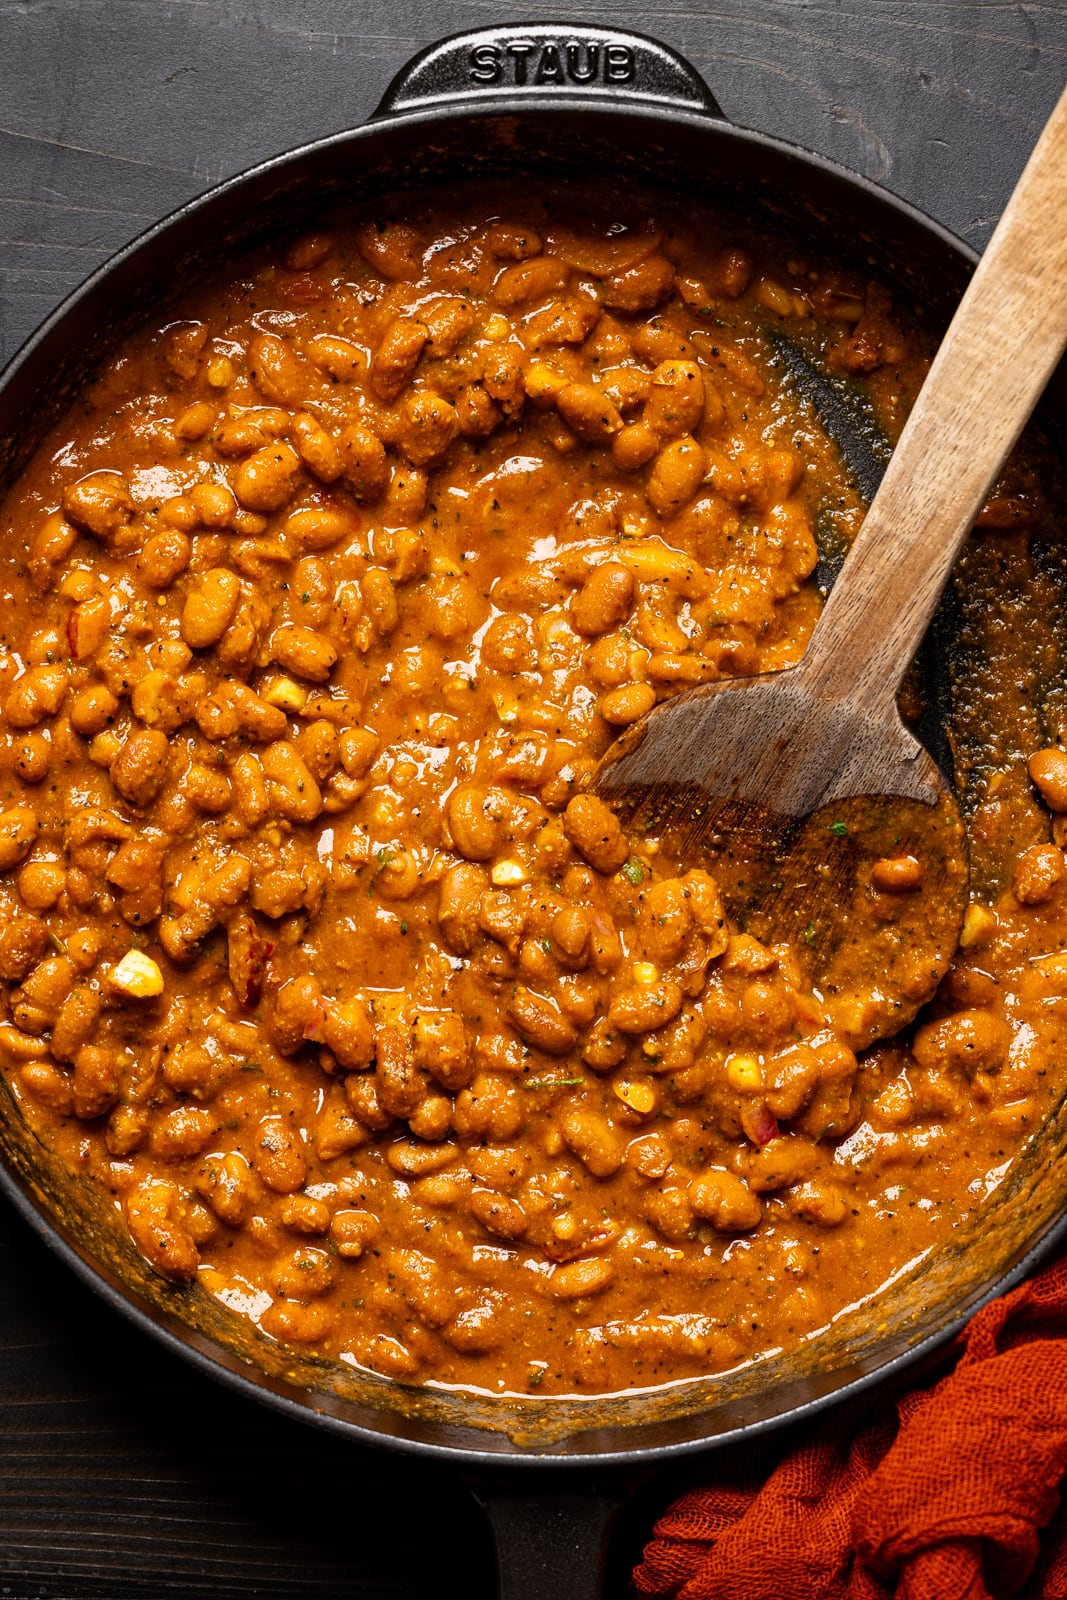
(315, 954)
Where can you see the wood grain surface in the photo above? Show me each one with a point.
(122, 1472)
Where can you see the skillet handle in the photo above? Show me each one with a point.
(549, 1545)
(549, 60)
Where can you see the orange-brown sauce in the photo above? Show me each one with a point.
(315, 953)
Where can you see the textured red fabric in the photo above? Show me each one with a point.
(950, 1494)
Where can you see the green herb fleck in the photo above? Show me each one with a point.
(57, 942)
(552, 1083)
(840, 829)
(809, 933)
(634, 871)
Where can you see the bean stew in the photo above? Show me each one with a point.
(316, 953)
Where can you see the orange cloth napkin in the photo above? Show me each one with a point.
(943, 1495)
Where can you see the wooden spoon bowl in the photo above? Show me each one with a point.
(839, 838)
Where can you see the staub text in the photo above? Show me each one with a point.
(529, 61)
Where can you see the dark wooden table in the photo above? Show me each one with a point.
(122, 1473)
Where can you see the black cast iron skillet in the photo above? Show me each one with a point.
(603, 108)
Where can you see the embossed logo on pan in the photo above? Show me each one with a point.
(523, 62)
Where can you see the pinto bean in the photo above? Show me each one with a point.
(100, 504)
(428, 426)
(92, 709)
(38, 694)
(299, 1015)
(393, 249)
(52, 544)
(210, 606)
(475, 815)
(821, 1203)
(87, 627)
(353, 1232)
(303, 651)
(503, 379)
(576, 1279)
(725, 1201)
(590, 412)
(206, 789)
(75, 1022)
(604, 1047)
(154, 1218)
(40, 885)
(379, 597)
(140, 769)
(604, 600)
(441, 1048)
(394, 362)
(593, 829)
(458, 905)
(23, 941)
(361, 1093)
(594, 1141)
(279, 1156)
(781, 1163)
(214, 502)
(676, 475)
(228, 1186)
(316, 448)
(275, 369)
(670, 1212)
(634, 446)
(181, 1133)
(476, 413)
(1048, 768)
(401, 1083)
(266, 481)
(645, 1007)
(498, 1214)
(297, 1322)
(676, 399)
(1037, 872)
(303, 1213)
(530, 279)
(18, 830)
(304, 1273)
(975, 1041)
(364, 463)
(348, 1031)
(424, 1285)
(627, 703)
(292, 789)
(540, 1022)
(491, 1108)
(336, 1130)
(249, 431)
(416, 1160)
(897, 874)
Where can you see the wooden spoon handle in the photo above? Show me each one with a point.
(1005, 339)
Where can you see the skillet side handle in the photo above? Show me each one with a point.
(548, 1546)
(548, 60)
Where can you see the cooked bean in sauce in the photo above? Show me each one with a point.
(316, 952)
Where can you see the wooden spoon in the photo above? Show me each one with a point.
(825, 821)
